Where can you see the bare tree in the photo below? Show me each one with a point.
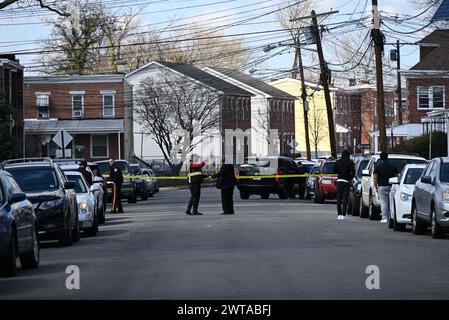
(264, 121)
(316, 127)
(59, 7)
(177, 114)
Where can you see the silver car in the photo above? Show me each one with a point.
(430, 202)
(87, 203)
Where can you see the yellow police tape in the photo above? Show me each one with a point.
(239, 177)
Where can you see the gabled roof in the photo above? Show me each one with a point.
(438, 58)
(442, 12)
(254, 83)
(436, 37)
(199, 75)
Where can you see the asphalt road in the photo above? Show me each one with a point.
(271, 249)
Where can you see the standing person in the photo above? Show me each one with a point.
(86, 174)
(301, 180)
(116, 177)
(195, 178)
(382, 174)
(345, 170)
(226, 181)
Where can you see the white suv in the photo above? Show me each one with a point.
(370, 202)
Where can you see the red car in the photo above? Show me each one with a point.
(325, 187)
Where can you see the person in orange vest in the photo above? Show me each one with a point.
(195, 178)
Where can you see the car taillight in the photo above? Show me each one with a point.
(238, 173)
(278, 179)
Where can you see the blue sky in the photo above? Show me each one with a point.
(210, 13)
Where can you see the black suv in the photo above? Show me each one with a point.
(356, 186)
(141, 184)
(268, 166)
(52, 196)
(129, 186)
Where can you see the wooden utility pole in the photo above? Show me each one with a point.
(304, 98)
(398, 60)
(325, 84)
(378, 40)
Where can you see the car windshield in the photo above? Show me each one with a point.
(308, 167)
(81, 186)
(259, 162)
(444, 174)
(362, 166)
(401, 163)
(315, 170)
(135, 170)
(413, 175)
(328, 168)
(35, 179)
(105, 168)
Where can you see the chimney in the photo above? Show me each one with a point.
(121, 66)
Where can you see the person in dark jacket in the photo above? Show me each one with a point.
(344, 168)
(226, 182)
(116, 177)
(195, 178)
(86, 174)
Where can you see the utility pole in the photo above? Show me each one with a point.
(378, 40)
(304, 98)
(399, 82)
(325, 84)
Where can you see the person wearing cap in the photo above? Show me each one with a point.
(195, 178)
(86, 174)
(344, 168)
(382, 174)
(226, 182)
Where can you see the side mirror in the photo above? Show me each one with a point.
(70, 185)
(98, 180)
(365, 173)
(94, 188)
(17, 197)
(394, 180)
(426, 179)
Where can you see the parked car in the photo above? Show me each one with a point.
(98, 192)
(97, 174)
(370, 202)
(401, 196)
(267, 166)
(128, 187)
(310, 182)
(161, 168)
(308, 165)
(430, 202)
(153, 183)
(88, 213)
(356, 186)
(325, 186)
(19, 235)
(141, 183)
(52, 196)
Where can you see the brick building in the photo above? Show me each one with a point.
(355, 110)
(428, 80)
(95, 109)
(11, 89)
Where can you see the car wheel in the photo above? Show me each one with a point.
(265, 195)
(102, 217)
(244, 195)
(364, 211)
(308, 197)
(31, 259)
(349, 209)
(418, 226)
(132, 199)
(397, 226)
(356, 206)
(437, 231)
(92, 231)
(76, 236)
(8, 263)
(145, 195)
(372, 210)
(282, 193)
(66, 238)
(151, 195)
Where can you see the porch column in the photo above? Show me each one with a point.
(119, 146)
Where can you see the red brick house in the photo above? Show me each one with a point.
(428, 80)
(95, 109)
(356, 110)
(11, 88)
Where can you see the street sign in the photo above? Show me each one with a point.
(62, 138)
(66, 154)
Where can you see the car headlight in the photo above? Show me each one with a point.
(405, 197)
(84, 206)
(445, 195)
(51, 204)
(326, 181)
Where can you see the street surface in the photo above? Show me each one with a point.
(271, 249)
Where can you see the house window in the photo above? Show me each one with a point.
(43, 103)
(77, 104)
(108, 105)
(430, 97)
(99, 146)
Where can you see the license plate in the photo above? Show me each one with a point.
(257, 179)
